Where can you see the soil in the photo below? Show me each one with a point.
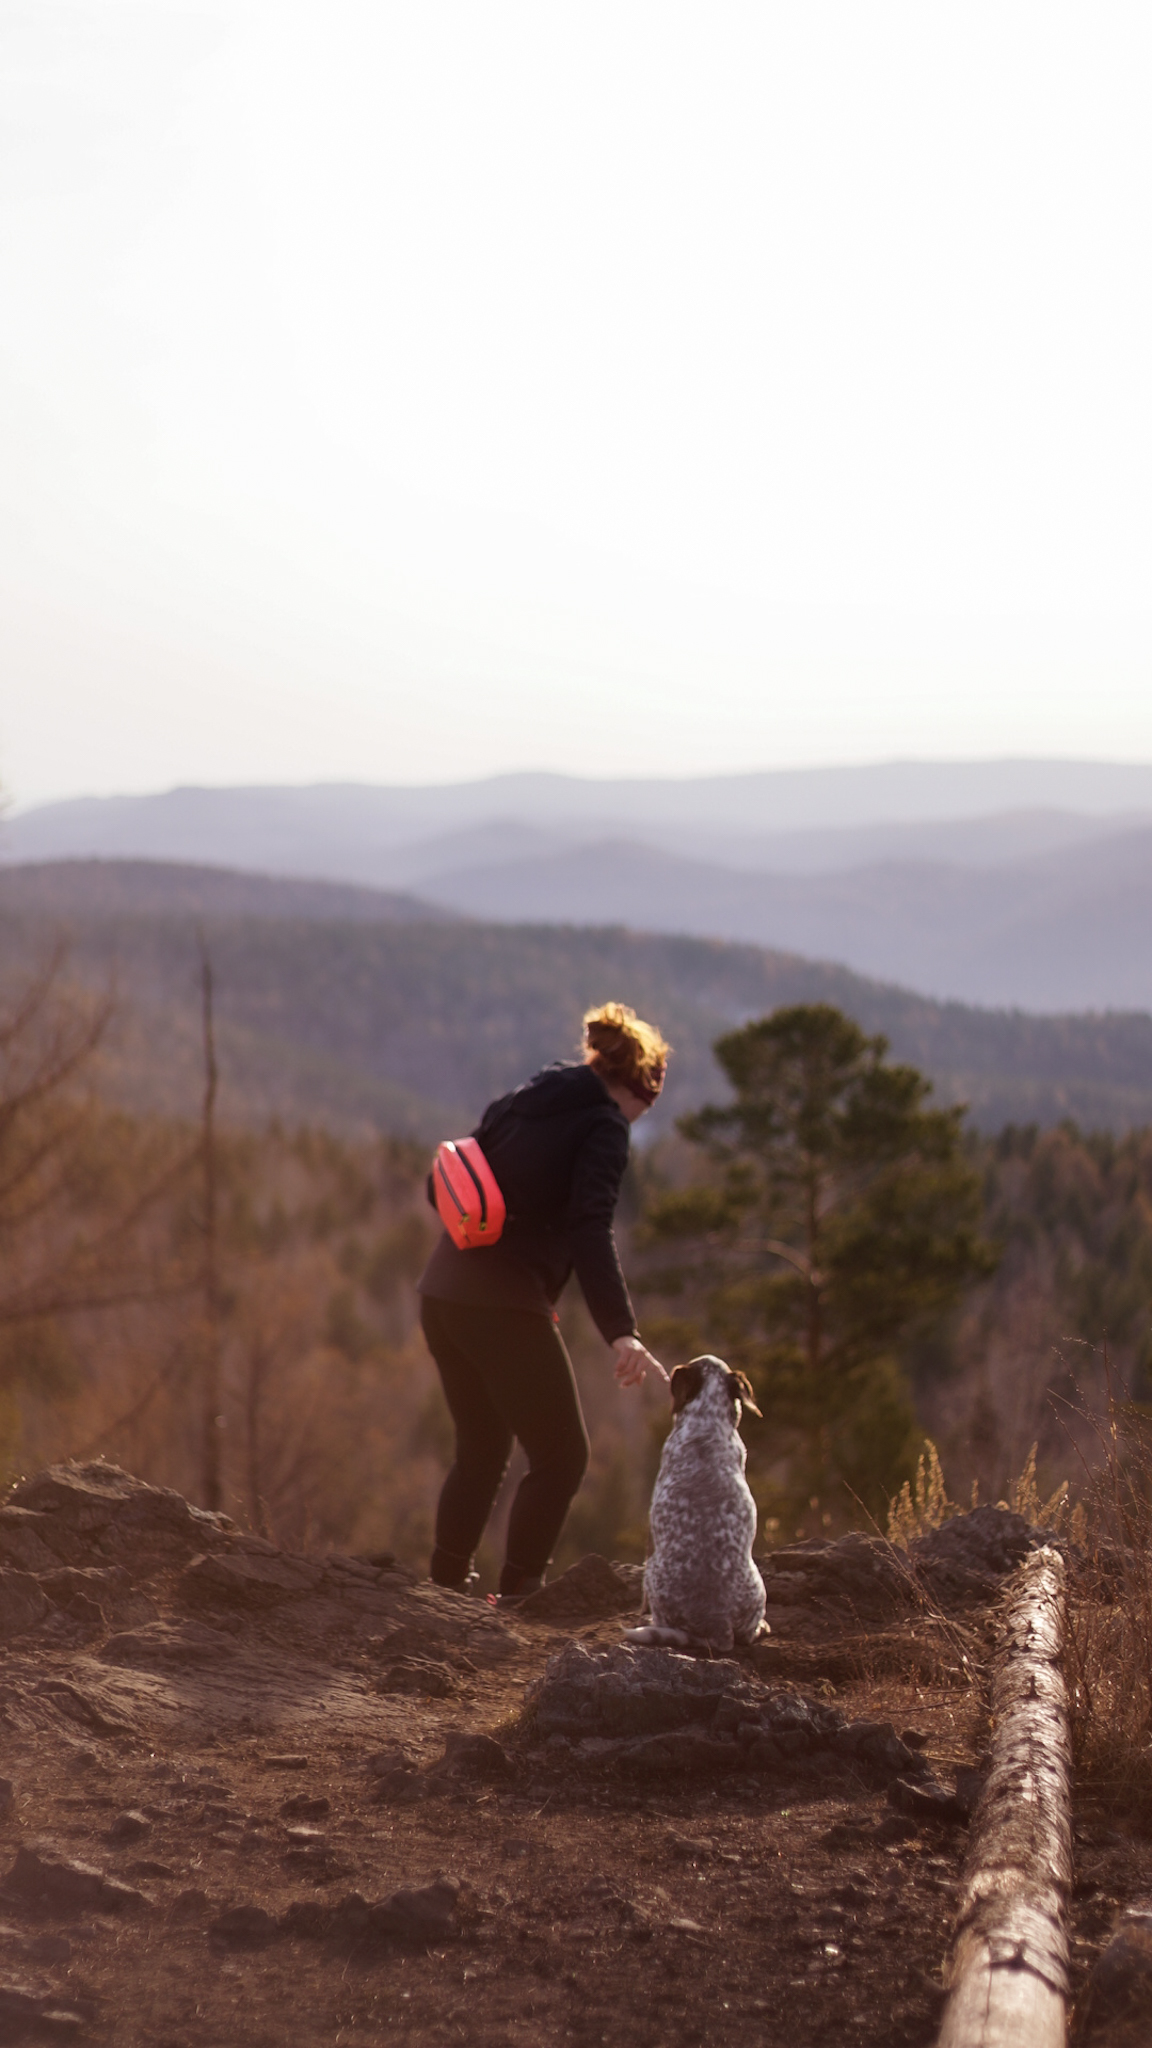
(270, 1767)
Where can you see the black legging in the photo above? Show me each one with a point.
(506, 1374)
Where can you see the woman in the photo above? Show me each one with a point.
(558, 1147)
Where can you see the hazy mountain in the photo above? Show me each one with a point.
(74, 892)
(413, 1026)
(350, 832)
(1063, 930)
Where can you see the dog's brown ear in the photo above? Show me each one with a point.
(740, 1387)
(687, 1381)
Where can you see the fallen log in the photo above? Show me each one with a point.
(1008, 1974)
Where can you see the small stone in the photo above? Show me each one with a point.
(290, 1760)
(304, 1835)
(385, 1761)
(474, 1756)
(307, 1918)
(912, 1739)
(244, 1926)
(302, 1806)
(928, 1802)
(129, 1826)
(189, 1904)
(59, 2023)
(148, 1869)
(52, 1882)
(426, 1914)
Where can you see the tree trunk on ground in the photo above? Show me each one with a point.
(1009, 1970)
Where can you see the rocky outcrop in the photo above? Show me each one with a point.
(866, 1578)
(172, 1618)
(644, 1709)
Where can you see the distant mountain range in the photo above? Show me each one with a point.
(1015, 882)
(357, 1009)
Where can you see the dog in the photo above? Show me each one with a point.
(700, 1584)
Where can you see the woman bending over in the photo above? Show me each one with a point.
(558, 1146)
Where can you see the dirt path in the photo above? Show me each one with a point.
(270, 1755)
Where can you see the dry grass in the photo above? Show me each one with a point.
(1109, 1642)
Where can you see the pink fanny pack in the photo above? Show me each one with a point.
(467, 1194)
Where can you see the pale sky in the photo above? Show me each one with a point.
(409, 392)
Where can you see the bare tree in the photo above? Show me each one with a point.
(212, 1420)
(61, 1250)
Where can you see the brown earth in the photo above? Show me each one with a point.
(270, 1766)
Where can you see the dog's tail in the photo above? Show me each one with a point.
(655, 1638)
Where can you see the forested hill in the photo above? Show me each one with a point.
(365, 1013)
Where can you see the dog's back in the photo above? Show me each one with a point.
(700, 1581)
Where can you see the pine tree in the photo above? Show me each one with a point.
(837, 1214)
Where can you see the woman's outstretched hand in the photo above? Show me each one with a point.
(634, 1363)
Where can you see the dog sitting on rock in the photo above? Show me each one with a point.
(700, 1584)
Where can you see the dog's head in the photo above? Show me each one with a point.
(689, 1382)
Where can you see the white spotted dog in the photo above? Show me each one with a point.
(700, 1584)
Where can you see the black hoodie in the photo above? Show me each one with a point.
(558, 1147)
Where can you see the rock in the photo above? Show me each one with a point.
(973, 1552)
(876, 1745)
(1120, 1987)
(928, 1801)
(422, 1675)
(306, 1918)
(969, 1786)
(161, 1643)
(189, 1904)
(69, 1585)
(99, 1506)
(350, 1914)
(59, 2023)
(424, 1915)
(22, 1604)
(585, 1592)
(634, 1700)
(383, 1762)
(288, 1760)
(22, 1540)
(301, 1807)
(965, 1559)
(393, 1776)
(129, 1826)
(41, 1877)
(244, 1926)
(474, 1756)
(684, 1752)
(7, 1797)
(247, 1580)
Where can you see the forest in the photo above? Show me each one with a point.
(232, 1312)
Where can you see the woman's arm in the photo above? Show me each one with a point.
(592, 1205)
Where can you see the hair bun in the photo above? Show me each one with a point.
(626, 1050)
